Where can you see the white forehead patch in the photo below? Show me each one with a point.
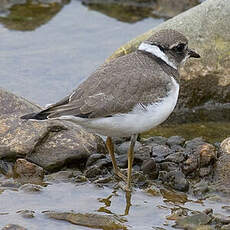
(155, 50)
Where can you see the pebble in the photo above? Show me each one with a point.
(159, 152)
(123, 148)
(150, 168)
(93, 158)
(13, 227)
(155, 140)
(92, 172)
(175, 140)
(27, 172)
(26, 213)
(175, 157)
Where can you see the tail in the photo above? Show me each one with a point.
(43, 115)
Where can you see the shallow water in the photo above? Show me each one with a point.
(47, 61)
(146, 212)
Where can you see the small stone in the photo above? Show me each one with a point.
(219, 218)
(123, 148)
(93, 171)
(191, 164)
(27, 172)
(61, 176)
(208, 211)
(6, 168)
(13, 227)
(93, 158)
(205, 171)
(225, 227)
(201, 188)
(225, 145)
(122, 161)
(190, 222)
(160, 152)
(143, 153)
(175, 179)
(149, 167)
(168, 166)
(192, 145)
(26, 213)
(175, 140)
(207, 154)
(31, 188)
(175, 157)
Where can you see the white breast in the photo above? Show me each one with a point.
(137, 121)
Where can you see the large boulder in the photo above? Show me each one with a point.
(205, 83)
(50, 144)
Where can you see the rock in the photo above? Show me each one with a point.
(6, 168)
(222, 173)
(205, 171)
(89, 220)
(135, 10)
(123, 148)
(225, 146)
(225, 227)
(143, 153)
(207, 153)
(160, 152)
(31, 188)
(219, 218)
(49, 144)
(27, 172)
(93, 171)
(26, 213)
(200, 188)
(190, 222)
(150, 168)
(175, 140)
(93, 158)
(175, 157)
(168, 166)
(62, 176)
(205, 85)
(175, 179)
(13, 227)
(192, 145)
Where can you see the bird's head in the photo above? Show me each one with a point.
(169, 45)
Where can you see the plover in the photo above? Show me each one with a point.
(129, 95)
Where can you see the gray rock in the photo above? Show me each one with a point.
(89, 220)
(190, 222)
(175, 157)
(150, 168)
(175, 179)
(225, 227)
(205, 171)
(26, 213)
(49, 144)
(93, 158)
(175, 140)
(6, 168)
(13, 227)
(123, 148)
(93, 171)
(160, 152)
(168, 166)
(62, 176)
(31, 188)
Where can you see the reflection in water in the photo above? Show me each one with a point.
(132, 11)
(26, 15)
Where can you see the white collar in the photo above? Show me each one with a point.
(155, 50)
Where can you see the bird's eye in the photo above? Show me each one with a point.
(179, 48)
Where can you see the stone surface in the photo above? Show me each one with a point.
(175, 179)
(135, 10)
(205, 85)
(13, 227)
(27, 172)
(123, 148)
(225, 146)
(50, 144)
(89, 220)
(150, 168)
(159, 152)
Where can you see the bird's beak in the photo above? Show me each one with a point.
(193, 54)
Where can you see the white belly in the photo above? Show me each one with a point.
(137, 121)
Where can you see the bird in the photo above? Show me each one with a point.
(128, 95)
